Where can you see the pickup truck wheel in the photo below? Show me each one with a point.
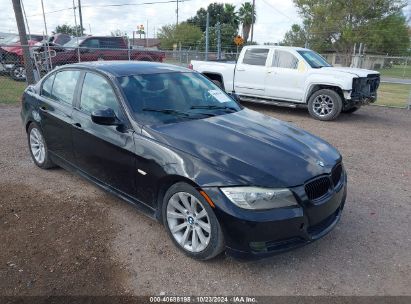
(218, 83)
(325, 104)
(351, 110)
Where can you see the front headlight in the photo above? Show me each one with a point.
(260, 198)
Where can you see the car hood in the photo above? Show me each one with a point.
(353, 71)
(256, 148)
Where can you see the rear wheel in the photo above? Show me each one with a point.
(191, 222)
(325, 104)
(218, 83)
(38, 147)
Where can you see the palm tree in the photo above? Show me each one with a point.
(245, 14)
(230, 15)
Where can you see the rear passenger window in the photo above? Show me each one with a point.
(64, 86)
(97, 94)
(255, 56)
(47, 86)
(284, 59)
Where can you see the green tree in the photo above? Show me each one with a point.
(118, 33)
(225, 14)
(227, 33)
(189, 35)
(246, 18)
(71, 30)
(338, 25)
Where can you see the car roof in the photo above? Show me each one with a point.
(295, 48)
(127, 68)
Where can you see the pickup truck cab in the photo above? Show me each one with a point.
(292, 76)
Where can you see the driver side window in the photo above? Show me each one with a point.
(97, 94)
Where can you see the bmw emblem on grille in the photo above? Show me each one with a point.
(320, 163)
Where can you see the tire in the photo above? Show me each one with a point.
(325, 104)
(34, 135)
(351, 110)
(218, 83)
(18, 73)
(209, 244)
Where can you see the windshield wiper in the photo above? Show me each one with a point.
(211, 107)
(166, 111)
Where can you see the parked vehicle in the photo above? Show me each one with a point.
(11, 55)
(165, 138)
(291, 76)
(93, 48)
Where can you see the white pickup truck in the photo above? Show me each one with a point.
(291, 76)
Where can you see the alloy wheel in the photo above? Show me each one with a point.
(19, 73)
(189, 222)
(37, 146)
(323, 105)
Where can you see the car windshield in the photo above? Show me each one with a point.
(314, 59)
(171, 97)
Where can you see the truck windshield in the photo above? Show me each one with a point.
(314, 59)
(171, 97)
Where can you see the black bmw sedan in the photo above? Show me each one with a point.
(220, 177)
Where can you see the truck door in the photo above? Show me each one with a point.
(250, 72)
(285, 77)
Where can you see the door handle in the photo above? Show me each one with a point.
(240, 69)
(77, 125)
(43, 109)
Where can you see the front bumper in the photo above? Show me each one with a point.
(259, 234)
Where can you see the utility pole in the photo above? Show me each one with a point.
(252, 22)
(218, 28)
(177, 12)
(207, 30)
(23, 40)
(80, 17)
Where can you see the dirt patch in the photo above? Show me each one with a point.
(55, 243)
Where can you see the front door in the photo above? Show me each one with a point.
(285, 77)
(104, 152)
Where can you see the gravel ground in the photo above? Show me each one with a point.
(61, 235)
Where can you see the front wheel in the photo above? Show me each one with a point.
(325, 104)
(191, 222)
(18, 72)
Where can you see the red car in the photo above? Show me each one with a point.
(93, 48)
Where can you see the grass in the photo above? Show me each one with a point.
(10, 90)
(397, 71)
(389, 94)
(393, 94)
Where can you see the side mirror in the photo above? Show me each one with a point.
(105, 117)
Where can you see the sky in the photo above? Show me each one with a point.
(274, 17)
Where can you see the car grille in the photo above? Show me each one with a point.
(336, 174)
(317, 188)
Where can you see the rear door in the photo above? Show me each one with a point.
(55, 109)
(104, 152)
(250, 72)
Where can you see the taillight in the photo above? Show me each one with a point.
(190, 66)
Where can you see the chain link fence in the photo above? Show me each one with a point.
(394, 91)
